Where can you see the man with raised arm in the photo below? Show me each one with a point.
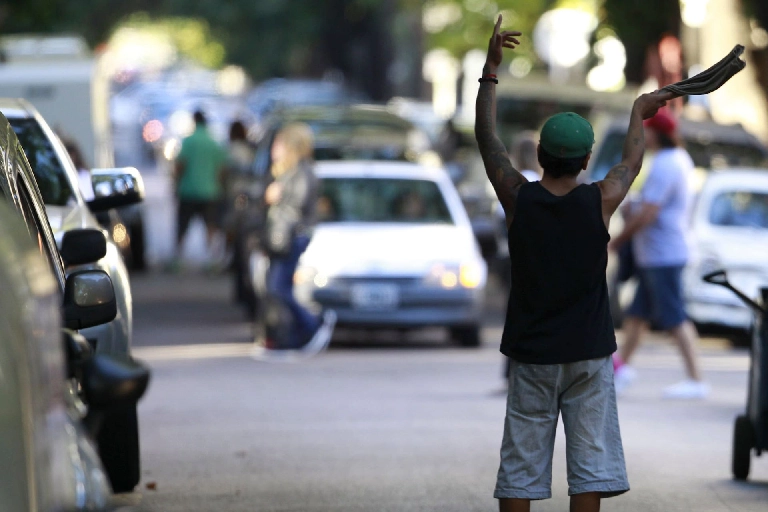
(558, 331)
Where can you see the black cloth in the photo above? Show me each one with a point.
(558, 309)
(189, 208)
(711, 78)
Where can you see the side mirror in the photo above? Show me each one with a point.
(81, 246)
(110, 382)
(113, 188)
(89, 299)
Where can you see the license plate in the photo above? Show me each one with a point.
(379, 296)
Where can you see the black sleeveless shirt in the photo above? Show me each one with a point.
(558, 310)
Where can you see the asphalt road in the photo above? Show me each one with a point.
(390, 423)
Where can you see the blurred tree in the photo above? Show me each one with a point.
(190, 36)
(640, 24)
(758, 10)
(268, 37)
(462, 25)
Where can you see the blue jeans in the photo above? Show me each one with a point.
(280, 288)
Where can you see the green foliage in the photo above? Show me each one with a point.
(469, 23)
(192, 37)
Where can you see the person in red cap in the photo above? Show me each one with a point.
(558, 332)
(657, 228)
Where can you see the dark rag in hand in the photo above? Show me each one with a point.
(712, 78)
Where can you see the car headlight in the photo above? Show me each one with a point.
(466, 275)
(471, 275)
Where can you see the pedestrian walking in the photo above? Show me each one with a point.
(657, 228)
(198, 185)
(558, 331)
(240, 155)
(292, 198)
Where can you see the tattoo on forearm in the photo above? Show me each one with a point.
(622, 174)
(505, 179)
(636, 140)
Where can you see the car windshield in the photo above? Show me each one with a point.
(381, 200)
(706, 155)
(51, 178)
(740, 209)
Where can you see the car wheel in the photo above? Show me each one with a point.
(466, 336)
(118, 442)
(743, 441)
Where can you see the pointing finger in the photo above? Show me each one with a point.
(498, 25)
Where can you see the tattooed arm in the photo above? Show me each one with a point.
(618, 180)
(506, 180)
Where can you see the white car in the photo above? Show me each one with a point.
(68, 210)
(729, 231)
(394, 248)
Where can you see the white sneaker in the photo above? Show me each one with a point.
(624, 376)
(322, 337)
(688, 390)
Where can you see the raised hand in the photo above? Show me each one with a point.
(498, 41)
(649, 104)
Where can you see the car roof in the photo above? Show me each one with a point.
(737, 178)
(16, 108)
(704, 131)
(378, 170)
(341, 113)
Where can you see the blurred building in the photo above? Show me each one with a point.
(64, 81)
(711, 28)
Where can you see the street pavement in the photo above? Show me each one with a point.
(384, 422)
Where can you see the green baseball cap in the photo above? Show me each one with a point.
(567, 135)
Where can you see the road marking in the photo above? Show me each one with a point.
(719, 363)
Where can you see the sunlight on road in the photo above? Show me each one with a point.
(196, 351)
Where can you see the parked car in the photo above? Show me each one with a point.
(67, 210)
(393, 248)
(278, 93)
(91, 386)
(47, 462)
(729, 231)
(342, 132)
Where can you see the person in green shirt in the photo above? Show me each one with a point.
(198, 180)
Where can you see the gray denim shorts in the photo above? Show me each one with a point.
(583, 393)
